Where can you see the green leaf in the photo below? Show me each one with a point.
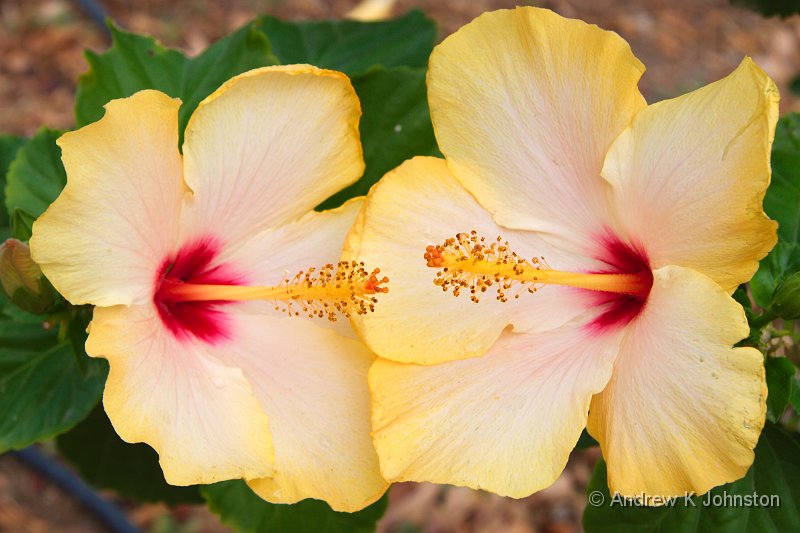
(22, 225)
(782, 261)
(135, 62)
(771, 8)
(782, 201)
(780, 373)
(239, 508)
(775, 474)
(108, 462)
(352, 46)
(395, 124)
(786, 298)
(740, 295)
(9, 145)
(35, 178)
(754, 337)
(44, 390)
(794, 395)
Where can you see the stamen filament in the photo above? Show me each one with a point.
(236, 293)
(343, 288)
(525, 272)
(467, 262)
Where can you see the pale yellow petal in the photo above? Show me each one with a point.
(689, 177)
(267, 147)
(418, 204)
(103, 239)
(525, 105)
(505, 422)
(312, 383)
(196, 411)
(684, 408)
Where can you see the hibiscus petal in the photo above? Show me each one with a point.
(525, 104)
(312, 383)
(684, 409)
(267, 147)
(199, 414)
(418, 204)
(504, 422)
(102, 240)
(690, 174)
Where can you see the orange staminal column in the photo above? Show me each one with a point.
(468, 263)
(345, 288)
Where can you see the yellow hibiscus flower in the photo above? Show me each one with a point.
(191, 261)
(631, 224)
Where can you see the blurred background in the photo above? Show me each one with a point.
(683, 43)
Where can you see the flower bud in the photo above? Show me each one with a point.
(22, 280)
(786, 299)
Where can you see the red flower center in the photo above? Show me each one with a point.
(193, 263)
(620, 309)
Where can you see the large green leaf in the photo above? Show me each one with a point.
(352, 46)
(774, 478)
(35, 178)
(45, 389)
(108, 462)
(395, 124)
(135, 62)
(782, 203)
(238, 507)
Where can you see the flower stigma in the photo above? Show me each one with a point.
(468, 263)
(346, 288)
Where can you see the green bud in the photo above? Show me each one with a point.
(22, 280)
(786, 299)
